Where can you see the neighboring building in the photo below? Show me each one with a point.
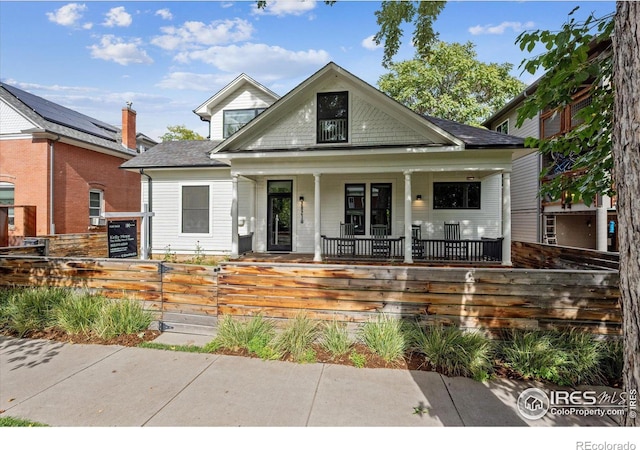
(60, 168)
(560, 221)
(280, 174)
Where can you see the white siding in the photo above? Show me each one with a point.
(11, 122)
(245, 98)
(524, 198)
(367, 123)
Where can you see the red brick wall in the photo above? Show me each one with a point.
(25, 163)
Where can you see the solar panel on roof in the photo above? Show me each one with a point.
(63, 116)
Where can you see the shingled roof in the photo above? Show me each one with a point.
(475, 137)
(173, 154)
(54, 118)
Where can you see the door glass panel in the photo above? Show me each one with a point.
(280, 204)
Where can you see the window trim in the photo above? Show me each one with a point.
(500, 125)
(347, 119)
(362, 231)
(100, 192)
(466, 194)
(209, 233)
(256, 111)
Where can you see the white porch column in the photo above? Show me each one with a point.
(234, 216)
(506, 219)
(317, 245)
(408, 248)
(601, 226)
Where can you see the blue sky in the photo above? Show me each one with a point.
(169, 57)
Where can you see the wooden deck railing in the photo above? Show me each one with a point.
(467, 250)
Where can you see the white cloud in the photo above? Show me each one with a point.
(117, 17)
(195, 34)
(369, 43)
(267, 62)
(69, 15)
(112, 48)
(500, 29)
(283, 8)
(195, 81)
(164, 13)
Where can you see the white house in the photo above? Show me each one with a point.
(283, 174)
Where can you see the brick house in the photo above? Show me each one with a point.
(60, 169)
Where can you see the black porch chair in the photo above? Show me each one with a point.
(417, 247)
(347, 242)
(454, 248)
(380, 245)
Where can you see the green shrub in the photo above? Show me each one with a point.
(77, 313)
(31, 309)
(561, 357)
(298, 337)
(453, 352)
(612, 359)
(235, 334)
(121, 317)
(358, 359)
(335, 338)
(385, 337)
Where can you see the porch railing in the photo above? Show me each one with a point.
(428, 250)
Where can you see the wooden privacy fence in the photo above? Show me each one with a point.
(545, 256)
(472, 298)
(490, 299)
(160, 286)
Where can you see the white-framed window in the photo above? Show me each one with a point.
(96, 203)
(332, 117)
(195, 209)
(503, 127)
(234, 119)
(8, 197)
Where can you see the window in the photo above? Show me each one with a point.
(456, 195)
(96, 200)
(354, 206)
(234, 119)
(381, 205)
(332, 115)
(561, 120)
(503, 127)
(195, 209)
(7, 197)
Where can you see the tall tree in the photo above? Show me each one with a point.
(606, 144)
(450, 83)
(626, 156)
(180, 133)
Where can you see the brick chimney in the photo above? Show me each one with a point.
(129, 127)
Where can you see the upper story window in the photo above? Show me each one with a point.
(561, 120)
(503, 127)
(7, 197)
(332, 115)
(456, 195)
(234, 119)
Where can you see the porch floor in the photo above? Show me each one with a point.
(307, 258)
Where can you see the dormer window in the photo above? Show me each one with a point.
(333, 113)
(234, 119)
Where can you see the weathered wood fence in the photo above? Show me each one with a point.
(473, 298)
(543, 256)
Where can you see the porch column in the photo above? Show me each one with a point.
(506, 219)
(408, 248)
(234, 216)
(601, 226)
(317, 245)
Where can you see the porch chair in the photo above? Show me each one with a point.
(417, 246)
(380, 245)
(454, 248)
(347, 242)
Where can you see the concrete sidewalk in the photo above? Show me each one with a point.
(92, 385)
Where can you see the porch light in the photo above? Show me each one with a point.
(419, 197)
(471, 178)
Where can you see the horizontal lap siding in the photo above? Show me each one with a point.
(490, 298)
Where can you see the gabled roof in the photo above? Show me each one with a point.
(54, 118)
(172, 154)
(332, 69)
(204, 109)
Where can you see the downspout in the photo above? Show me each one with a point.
(150, 198)
(52, 225)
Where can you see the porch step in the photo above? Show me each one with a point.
(189, 324)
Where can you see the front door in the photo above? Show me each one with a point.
(279, 212)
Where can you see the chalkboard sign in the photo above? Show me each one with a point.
(123, 238)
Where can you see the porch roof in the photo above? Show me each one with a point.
(174, 154)
(476, 137)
